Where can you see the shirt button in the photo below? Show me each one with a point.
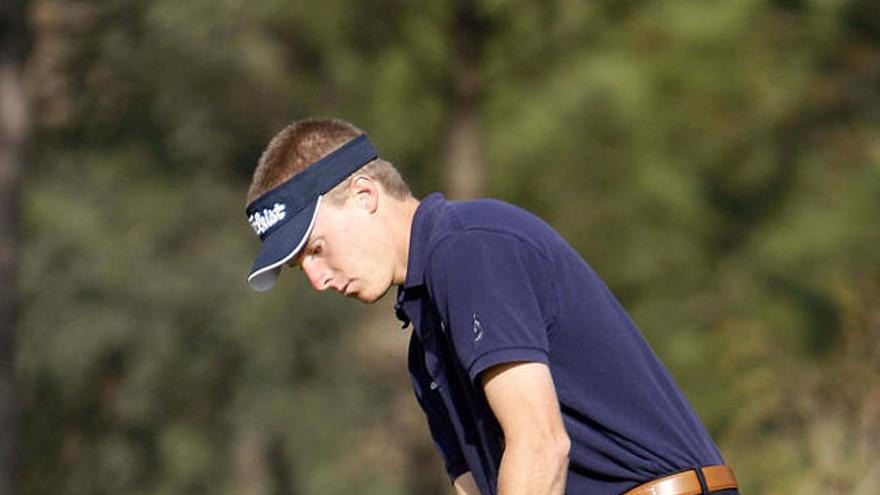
(433, 385)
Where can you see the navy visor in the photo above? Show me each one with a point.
(284, 216)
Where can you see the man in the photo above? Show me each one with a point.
(532, 377)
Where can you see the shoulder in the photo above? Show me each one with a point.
(465, 225)
(489, 213)
(484, 257)
(481, 249)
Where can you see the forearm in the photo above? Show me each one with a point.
(465, 485)
(526, 469)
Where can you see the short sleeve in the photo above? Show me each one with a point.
(492, 291)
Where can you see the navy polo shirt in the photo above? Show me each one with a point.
(489, 283)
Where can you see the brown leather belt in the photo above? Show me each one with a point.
(687, 483)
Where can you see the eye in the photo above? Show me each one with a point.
(296, 262)
(316, 249)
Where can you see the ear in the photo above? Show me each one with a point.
(365, 191)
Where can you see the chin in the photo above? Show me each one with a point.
(370, 298)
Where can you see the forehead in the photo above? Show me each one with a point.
(327, 218)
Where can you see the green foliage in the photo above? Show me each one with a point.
(716, 162)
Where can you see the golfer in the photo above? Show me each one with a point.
(532, 377)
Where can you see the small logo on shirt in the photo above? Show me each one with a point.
(478, 329)
(266, 218)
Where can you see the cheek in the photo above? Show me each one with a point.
(349, 258)
(358, 246)
(361, 248)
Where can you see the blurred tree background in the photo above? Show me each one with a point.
(717, 162)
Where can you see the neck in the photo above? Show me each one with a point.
(401, 230)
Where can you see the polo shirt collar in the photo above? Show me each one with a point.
(420, 233)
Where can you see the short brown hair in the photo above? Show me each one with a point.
(304, 142)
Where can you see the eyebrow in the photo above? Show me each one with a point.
(297, 260)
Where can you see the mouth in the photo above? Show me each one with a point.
(347, 290)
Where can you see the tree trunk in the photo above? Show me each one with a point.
(465, 163)
(13, 135)
(251, 473)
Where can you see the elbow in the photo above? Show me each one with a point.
(556, 450)
(550, 450)
(562, 447)
(555, 454)
(559, 467)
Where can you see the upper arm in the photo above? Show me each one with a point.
(523, 399)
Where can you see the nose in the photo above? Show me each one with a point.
(319, 276)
